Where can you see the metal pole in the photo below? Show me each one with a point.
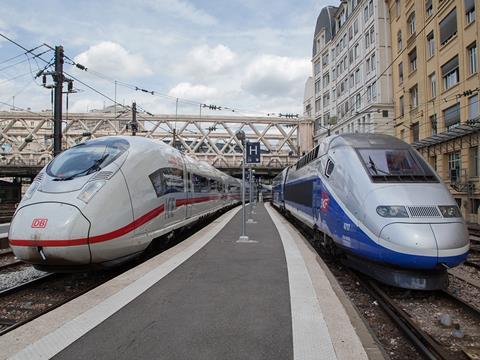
(115, 104)
(250, 194)
(134, 119)
(57, 110)
(243, 193)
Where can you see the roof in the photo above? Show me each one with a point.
(325, 20)
(456, 132)
(368, 140)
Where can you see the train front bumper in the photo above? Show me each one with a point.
(424, 246)
(50, 234)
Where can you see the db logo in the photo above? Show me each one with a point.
(39, 223)
(325, 201)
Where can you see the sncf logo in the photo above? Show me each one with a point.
(325, 202)
(39, 223)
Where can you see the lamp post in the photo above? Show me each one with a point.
(241, 136)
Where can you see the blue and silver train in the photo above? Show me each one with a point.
(376, 201)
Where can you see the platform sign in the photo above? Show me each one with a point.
(253, 152)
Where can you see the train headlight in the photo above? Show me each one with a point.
(31, 190)
(90, 190)
(392, 211)
(450, 211)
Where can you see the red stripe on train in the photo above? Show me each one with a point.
(113, 234)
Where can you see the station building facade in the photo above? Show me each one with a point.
(436, 90)
(351, 82)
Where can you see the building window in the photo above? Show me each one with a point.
(470, 10)
(401, 105)
(397, 8)
(399, 40)
(450, 73)
(472, 58)
(428, 8)
(448, 27)
(413, 97)
(411, 24)
(326, 80)
(400, 72)
(318, 86)
(317, 105)
(358, 101)
(357, 76)
(474, 165)
(415, 129)
(402, 134)
(454, 166)
(355, 26)
(325, 59)
(433, 124)
(355, 52)
(473, 107)
(326, 99)
(412, 59)
(432, 80)
(430, 45)
(316, 67)
(451, 116)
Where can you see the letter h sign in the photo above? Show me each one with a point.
(253, 152)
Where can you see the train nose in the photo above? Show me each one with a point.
(412, 239)
(50, 234)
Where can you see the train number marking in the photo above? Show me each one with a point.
(39, 223)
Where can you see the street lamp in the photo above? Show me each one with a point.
(241, 136)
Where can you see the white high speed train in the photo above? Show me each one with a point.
(102, 202)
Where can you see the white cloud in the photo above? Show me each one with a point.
(187, 90)
(203, 63)
(85, 105)
(183, 10)
(111, 58)
(271, 75)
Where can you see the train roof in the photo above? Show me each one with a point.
(367, 140)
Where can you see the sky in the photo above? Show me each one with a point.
(251, 56)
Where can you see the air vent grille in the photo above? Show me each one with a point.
(39, 177)
(102, 175)
(424, 211)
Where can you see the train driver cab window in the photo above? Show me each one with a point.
(86, 158)
(329, 168)
(395, 165)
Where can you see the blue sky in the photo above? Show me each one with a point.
(249, 55)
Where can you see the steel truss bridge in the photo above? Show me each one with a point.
(26, 138)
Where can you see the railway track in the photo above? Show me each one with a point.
(428, 345)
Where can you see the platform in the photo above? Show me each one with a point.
(210, 297)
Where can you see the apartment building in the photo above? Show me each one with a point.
(352, 84)
(436, 89)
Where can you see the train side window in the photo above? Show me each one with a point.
(329, 168)
(167, 180)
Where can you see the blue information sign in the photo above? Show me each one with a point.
(253, 152)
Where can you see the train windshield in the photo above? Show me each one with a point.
(396, 165)
(86, 158)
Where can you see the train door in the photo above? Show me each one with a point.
(189, 205)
